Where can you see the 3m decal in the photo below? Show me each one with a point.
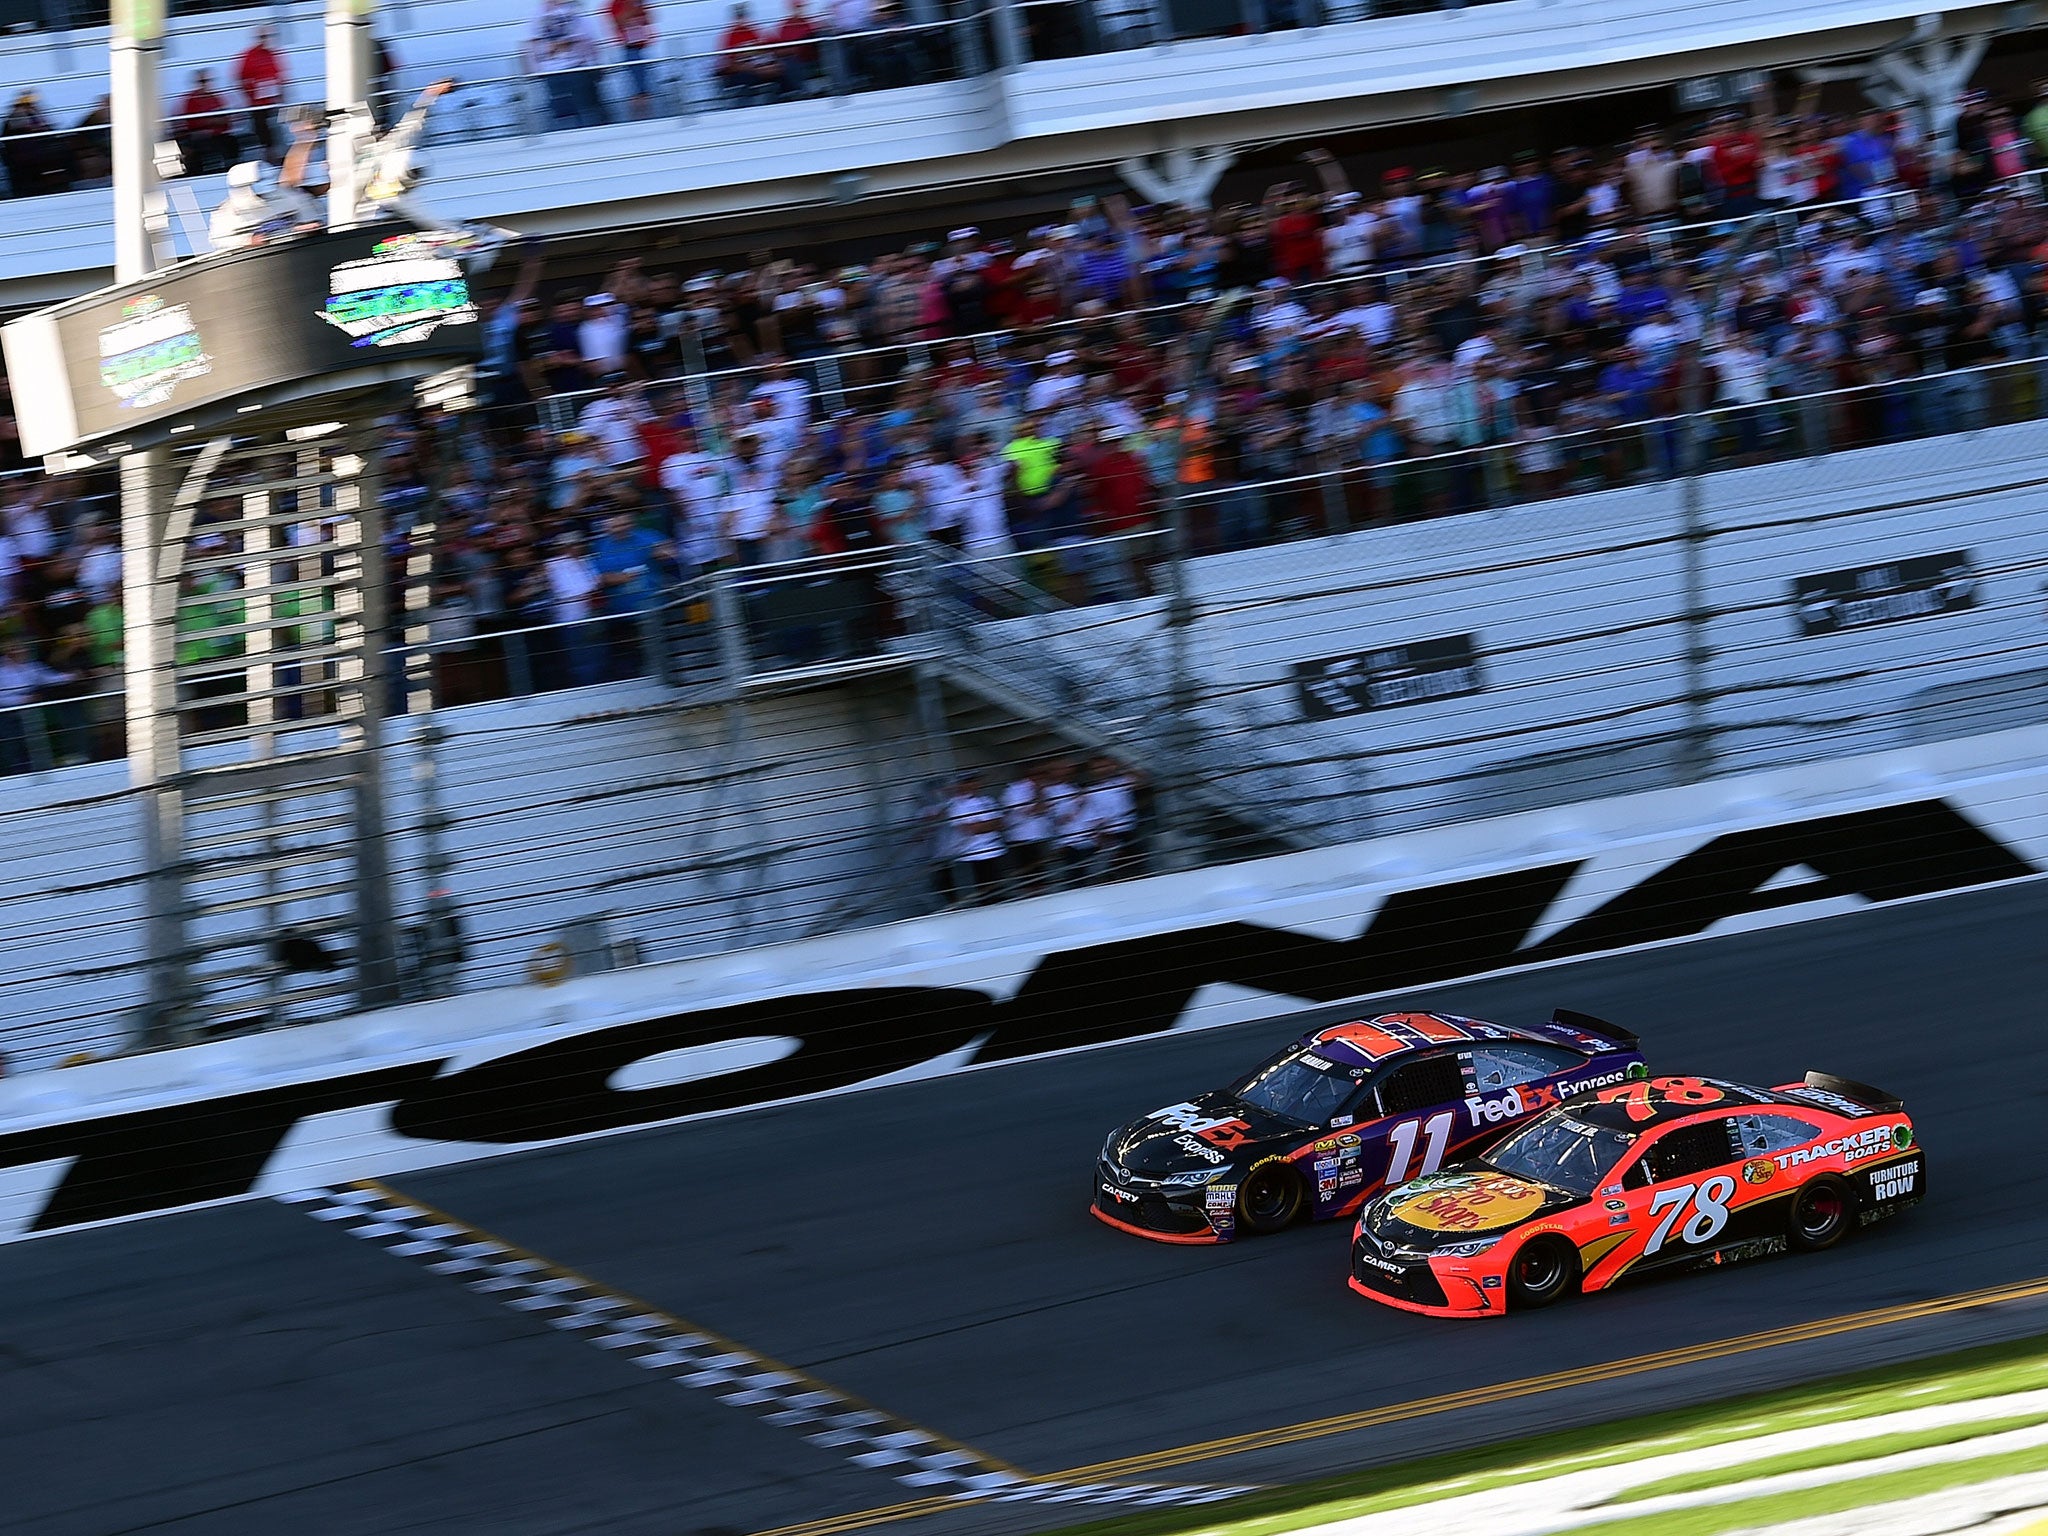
(159, 1159)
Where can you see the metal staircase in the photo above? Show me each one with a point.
(1023, 674)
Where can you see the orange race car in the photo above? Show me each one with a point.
(1670, 1172)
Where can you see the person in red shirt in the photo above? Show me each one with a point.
(748, 70)
(1119, 498)
(1736, 159)
(204, 130)
(1294, 234)
(634, 29)
(260, 76)
(799, 54)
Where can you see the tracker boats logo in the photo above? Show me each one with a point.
(1124, 989)
(152, 349)
(407, 288)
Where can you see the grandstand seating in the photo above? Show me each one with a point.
(969, 119)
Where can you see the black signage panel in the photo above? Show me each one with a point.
(1915, 588)
(1390, 676)
(122, 361)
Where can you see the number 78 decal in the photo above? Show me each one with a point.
(1401, 1146)
(1710, 1211)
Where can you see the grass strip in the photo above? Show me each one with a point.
(1830, 1499)
(1868, 1449)
(2014, 1366)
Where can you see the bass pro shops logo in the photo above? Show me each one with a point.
(1124, 989)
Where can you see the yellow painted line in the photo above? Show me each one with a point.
(1347, 1423)
(683, 1324)
(1635, 1365)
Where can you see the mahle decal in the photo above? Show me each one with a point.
(404, 290)
(149, 351)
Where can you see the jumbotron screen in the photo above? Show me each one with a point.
(127, 363)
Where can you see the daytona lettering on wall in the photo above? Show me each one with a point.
(158, 1159)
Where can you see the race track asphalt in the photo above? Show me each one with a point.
(926, 1247)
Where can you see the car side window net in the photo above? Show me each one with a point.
(1423, 1085)
(1765, 1134)
(1509, 1066)
(1689, 1149)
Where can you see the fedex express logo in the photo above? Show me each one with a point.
(1527, 1098)
(1221, 1132)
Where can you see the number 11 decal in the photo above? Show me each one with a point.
(1401, 1143)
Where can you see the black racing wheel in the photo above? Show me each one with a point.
(1271, 1197)
(1542, 1271)
(1822, 1214)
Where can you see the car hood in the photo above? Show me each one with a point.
(1459, 1205)
(1210, 1131)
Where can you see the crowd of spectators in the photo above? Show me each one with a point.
(1052, 825)
(1323, 357)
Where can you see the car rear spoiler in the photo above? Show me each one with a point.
(1592, 1026)
(1862, 1093)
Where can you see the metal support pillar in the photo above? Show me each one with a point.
(361, 493)
(348, 87)
(1696, 746)
(149, 612)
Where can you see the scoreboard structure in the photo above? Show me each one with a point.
(192, 347)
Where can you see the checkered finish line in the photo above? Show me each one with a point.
(694, 1357)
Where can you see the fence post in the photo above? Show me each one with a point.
(728, 620)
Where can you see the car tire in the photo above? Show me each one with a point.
(1541, 1272)
(1271, 1197)
(1822, 1214)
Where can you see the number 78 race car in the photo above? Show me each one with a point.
(1669, 1173)
(1342, 1113)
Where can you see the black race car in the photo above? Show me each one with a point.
(1341, 1114)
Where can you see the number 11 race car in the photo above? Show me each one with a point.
(1342, 1113)
(1672, 1172)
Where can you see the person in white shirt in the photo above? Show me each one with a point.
(562, 50)
(1111, 811)
(987, 519)
(1061, 382)
(572, 581)
(749, 514)
(22, 677)
(1027, 828)
(573, 586)
(1349, 242)
(99, 565)
(788, 395)
(601, 335)
(613, 422)
(941, 487)
(1073, 832)
(977, 835)
(696, 483)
